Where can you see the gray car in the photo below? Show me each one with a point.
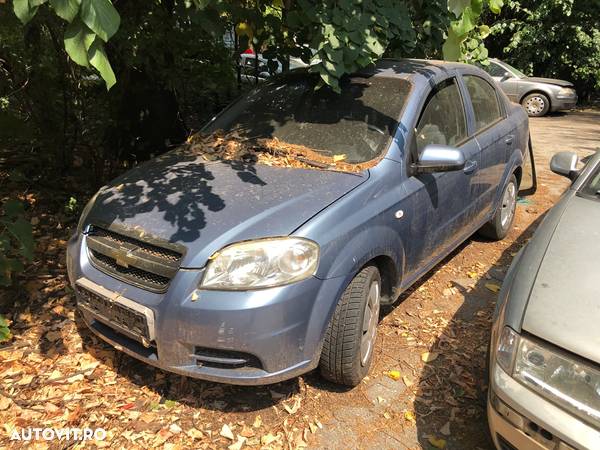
(544, 389)
(537, 95)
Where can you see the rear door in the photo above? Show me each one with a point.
(495, 136)
(441, 203)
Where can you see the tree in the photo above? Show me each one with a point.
(344, 35)
(552, 38)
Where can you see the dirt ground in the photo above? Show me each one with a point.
(425, 389)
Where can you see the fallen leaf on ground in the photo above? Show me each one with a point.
(493, 287)
(238, 444)
(394, 374)
(445, 430)
(257, 422)
(407, 381)
(429, 356)
(268, 439)
(226, 432)
(194, 433)
(410, 416)
(437, 443)
(295, 407)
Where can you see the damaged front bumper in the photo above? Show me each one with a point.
(248, 337)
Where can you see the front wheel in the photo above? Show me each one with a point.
(350, 337)
(498, 227)
(536, 104)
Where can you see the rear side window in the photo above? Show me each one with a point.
(443, 118)
(485, 101)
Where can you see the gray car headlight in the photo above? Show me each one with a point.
(262, 263)
(566, 92)
(572, 384)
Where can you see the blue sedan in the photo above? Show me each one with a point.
(232, 267)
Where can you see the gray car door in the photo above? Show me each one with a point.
(494, 134)
(506, 79)
(441, 204)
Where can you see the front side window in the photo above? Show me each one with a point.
(443, 118)
(592, 186)
(485, 101)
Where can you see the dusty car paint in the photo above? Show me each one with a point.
(550, 295)
(404, 222)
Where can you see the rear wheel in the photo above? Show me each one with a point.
(536, 104)
(350, 336)
(498, 227)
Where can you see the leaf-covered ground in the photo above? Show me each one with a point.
(424, 391)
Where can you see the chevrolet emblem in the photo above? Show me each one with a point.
(125, 259)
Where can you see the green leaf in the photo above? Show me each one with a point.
(23, 10)
(451, 48)
(75, 37)
(99, 60)
(66, 9)
(496, 6)
(13, 208)
(4, 330)
(101, 17)
(458, 6)
(22, 232)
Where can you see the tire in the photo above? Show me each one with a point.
(346, 357)
(499, 226)
(536, 104)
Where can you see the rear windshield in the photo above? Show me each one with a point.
(356, 124)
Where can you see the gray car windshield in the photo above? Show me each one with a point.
(514, 70)
(356, 124)
(592, 187)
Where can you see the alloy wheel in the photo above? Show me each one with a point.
(370, 321)
(509, 203)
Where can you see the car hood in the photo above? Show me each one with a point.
(564, 306)
(561, 83)
(181, 198)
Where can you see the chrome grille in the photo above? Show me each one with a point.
(149, 265)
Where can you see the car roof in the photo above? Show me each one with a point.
(419, 71)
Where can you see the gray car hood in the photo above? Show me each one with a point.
(181, 198)
(561, 83)
(564, 305)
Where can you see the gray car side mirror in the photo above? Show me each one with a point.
(565, 164)
(506, 75)
(439, 158)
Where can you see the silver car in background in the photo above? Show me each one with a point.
(537, 95)
(544, 386)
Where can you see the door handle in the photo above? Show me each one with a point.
(470, 166)
(508, 140)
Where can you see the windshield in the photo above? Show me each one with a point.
(592, 186)
(515, 71)
(355, 125)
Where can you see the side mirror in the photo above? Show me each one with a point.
(439, 158)
(506, 75)
(565, 164)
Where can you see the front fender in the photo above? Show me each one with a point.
(366, 244)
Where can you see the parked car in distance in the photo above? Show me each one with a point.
(249, 70)
(244, 272)
(544, 387)
(539, 96)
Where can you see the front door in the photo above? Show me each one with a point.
(441, 204)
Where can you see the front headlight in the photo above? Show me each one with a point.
(262, 263)
(569, 383)
(85, 212)
(566, 92)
